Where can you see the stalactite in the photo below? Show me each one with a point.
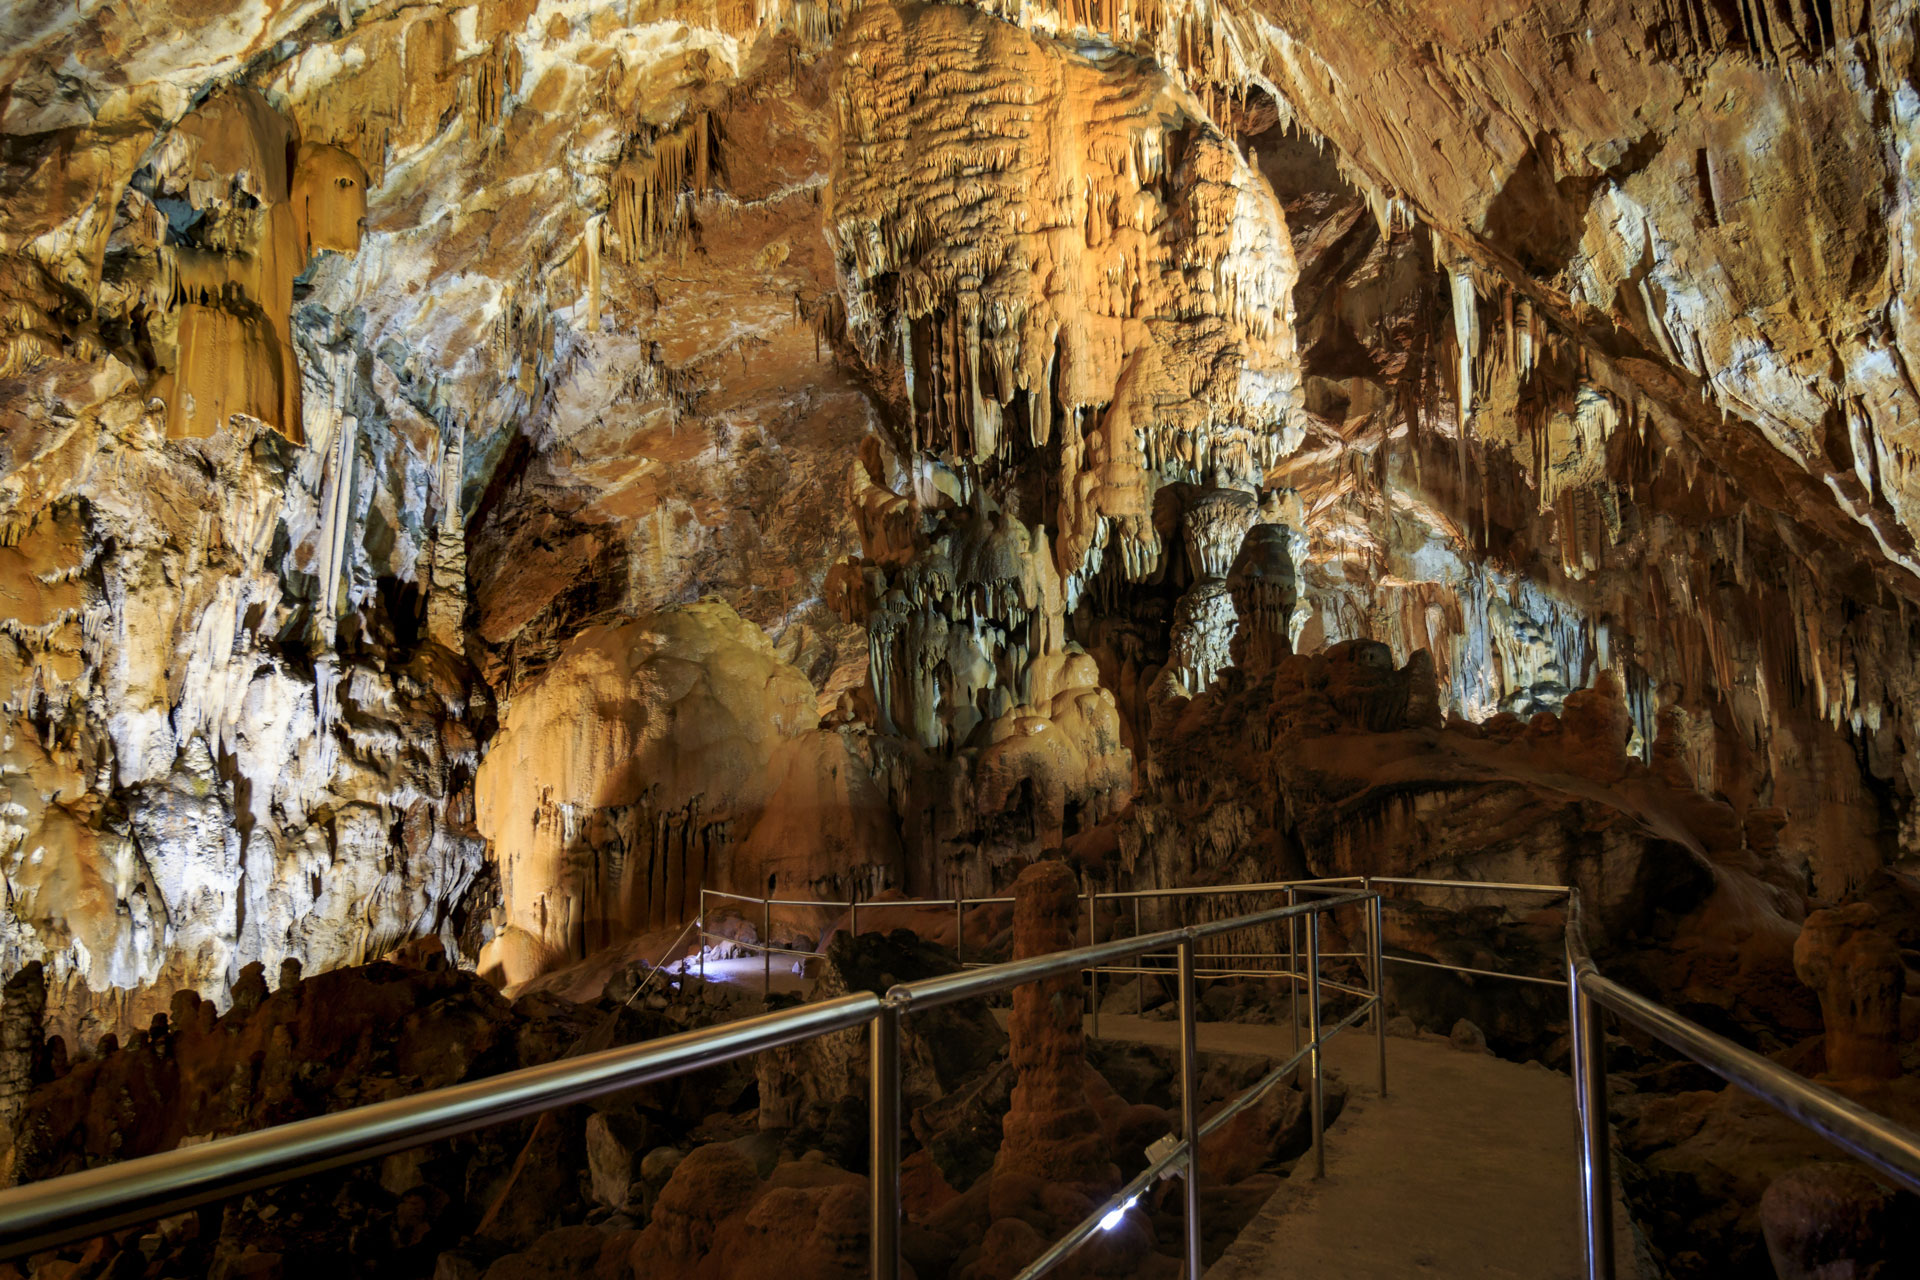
(338, 505)
(590, 242)
(654, 183)
(1466, 333)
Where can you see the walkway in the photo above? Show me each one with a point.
(1466, 1169)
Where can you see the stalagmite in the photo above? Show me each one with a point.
(447, 603)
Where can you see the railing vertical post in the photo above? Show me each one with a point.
(853, 917)
(1139, 985)
(1293, 972)
(1313, 1057)
(1190, 1104)
(959, 929)
(1375, 923)
(1589, 1037)
(1093, 974)
(883, 1168)
(766, 946)
(701, 937)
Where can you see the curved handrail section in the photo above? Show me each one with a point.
(1888, 1146)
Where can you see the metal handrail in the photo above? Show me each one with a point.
(949, 987)
(661, 967)
(1325, 885)
(1555, 890)
(60, 1210)
(1125, 1198)
(970, 984)
(1182, 1154)
(766, 950)
(42, 1215)
(1478, 973)
(1889, 1147)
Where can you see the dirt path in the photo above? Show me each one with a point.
(1465, 1169)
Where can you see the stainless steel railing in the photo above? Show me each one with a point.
(61, 1210)
(987, 981)
(1094, 898)
(1374, 955)
(1891, 1148)
(44, 1214)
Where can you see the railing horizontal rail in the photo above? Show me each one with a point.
(1556, 890)
(1274, 955)
(42, 1215)
(1484, 973)
(760, 947)
(947, 988)
(1890, 1147)
(741, 897)
(1125, 1197)
(1221, 890)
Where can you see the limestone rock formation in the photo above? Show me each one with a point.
(1859, 974)
(940, 1049)
(642, 764)
(717, 1218)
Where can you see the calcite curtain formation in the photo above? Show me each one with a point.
(486, 470)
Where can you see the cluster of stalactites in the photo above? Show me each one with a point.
(1519, 334)
(954, 634)
(1117, 299)
(1215, 524)
(653, 184)
(254, 205)
(1202, 644)
(1523, 388)
(1204, 45)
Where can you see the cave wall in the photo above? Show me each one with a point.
(487, 469)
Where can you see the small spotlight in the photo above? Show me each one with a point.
(1112, 1220)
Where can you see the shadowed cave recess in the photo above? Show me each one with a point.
(473, 475)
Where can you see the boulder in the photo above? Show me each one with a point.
(939, 1048)
(1467, 1037)
(659, 1165)
(716, 1220)
(1831, 1221)
(961, 1132)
